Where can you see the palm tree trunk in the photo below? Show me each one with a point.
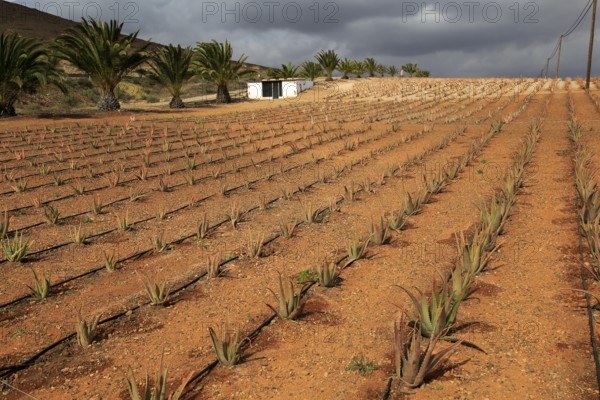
(7, 110)
(108, 102)
(176, 102)
(223, 94)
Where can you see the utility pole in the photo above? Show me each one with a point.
(591, 50)
(558, 60)
(547, 66)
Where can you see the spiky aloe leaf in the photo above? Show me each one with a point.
(413, 364)
(227, 348)
(290, 302)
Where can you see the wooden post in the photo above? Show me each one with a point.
(558, 60)
(591, 49)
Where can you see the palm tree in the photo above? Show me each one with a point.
(24, 67)
(311, 70)
(359, 68)
(392, 70)
(273, 73)
(104, 53)
(410, 69)
(422, 74)
(288, 71)
(215, 64)
(329, 61)
(370, 66)
(346, 67)
(171, 67)
(381, 69)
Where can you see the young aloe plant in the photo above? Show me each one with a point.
(290, 302)
(51, 214)
(77, 235)
(287, 230)
(123, 222)
(437, 313)
(476, 254)
(357, 250)
(213, 266)
(327, 274)
(255, 246)
(4, 224)
(86, 331)
(110, 261)
(227, 347)
(397, 220)
(15, 250)
(203, 228)
(495, 216)
(41, 287)
(411, 205)
(159, 392)
(158, 293)
(380, 233)
(413, 364)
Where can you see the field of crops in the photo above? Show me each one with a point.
(384, 186)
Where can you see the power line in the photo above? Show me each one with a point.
(570, 31)
(579, 19)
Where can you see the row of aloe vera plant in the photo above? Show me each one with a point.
(434, 317)
(588, 193)
(290, 301)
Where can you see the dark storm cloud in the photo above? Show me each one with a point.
(462, 38)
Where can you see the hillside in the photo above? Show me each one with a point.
(33, 23)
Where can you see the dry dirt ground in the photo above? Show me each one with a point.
(361, 145)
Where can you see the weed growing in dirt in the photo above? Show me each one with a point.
(362, 366)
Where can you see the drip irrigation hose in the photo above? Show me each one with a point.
(589, 308)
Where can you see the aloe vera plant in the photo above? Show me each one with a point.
(475, 255)
(159, 244)
(77, 235)
(411, 205)
(436, 314)
(311, 215)
(397, 220)
(97, 205)
(110, 261)
(203, 228)
(327, 274)
(213, 266)
(379, 232)
(255, 246)
(413, 363)
(4, 224)
(41, 287)
(86, 331)
(159, 392)
(289, 301)
(495, 216)
(287, 229)
(357, 250)
(123, 222)
(16, 249)
(227, 347)
(51, 214)
(158, 293)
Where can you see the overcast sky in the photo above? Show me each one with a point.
(451, 39)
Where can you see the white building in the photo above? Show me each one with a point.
(277, 88)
